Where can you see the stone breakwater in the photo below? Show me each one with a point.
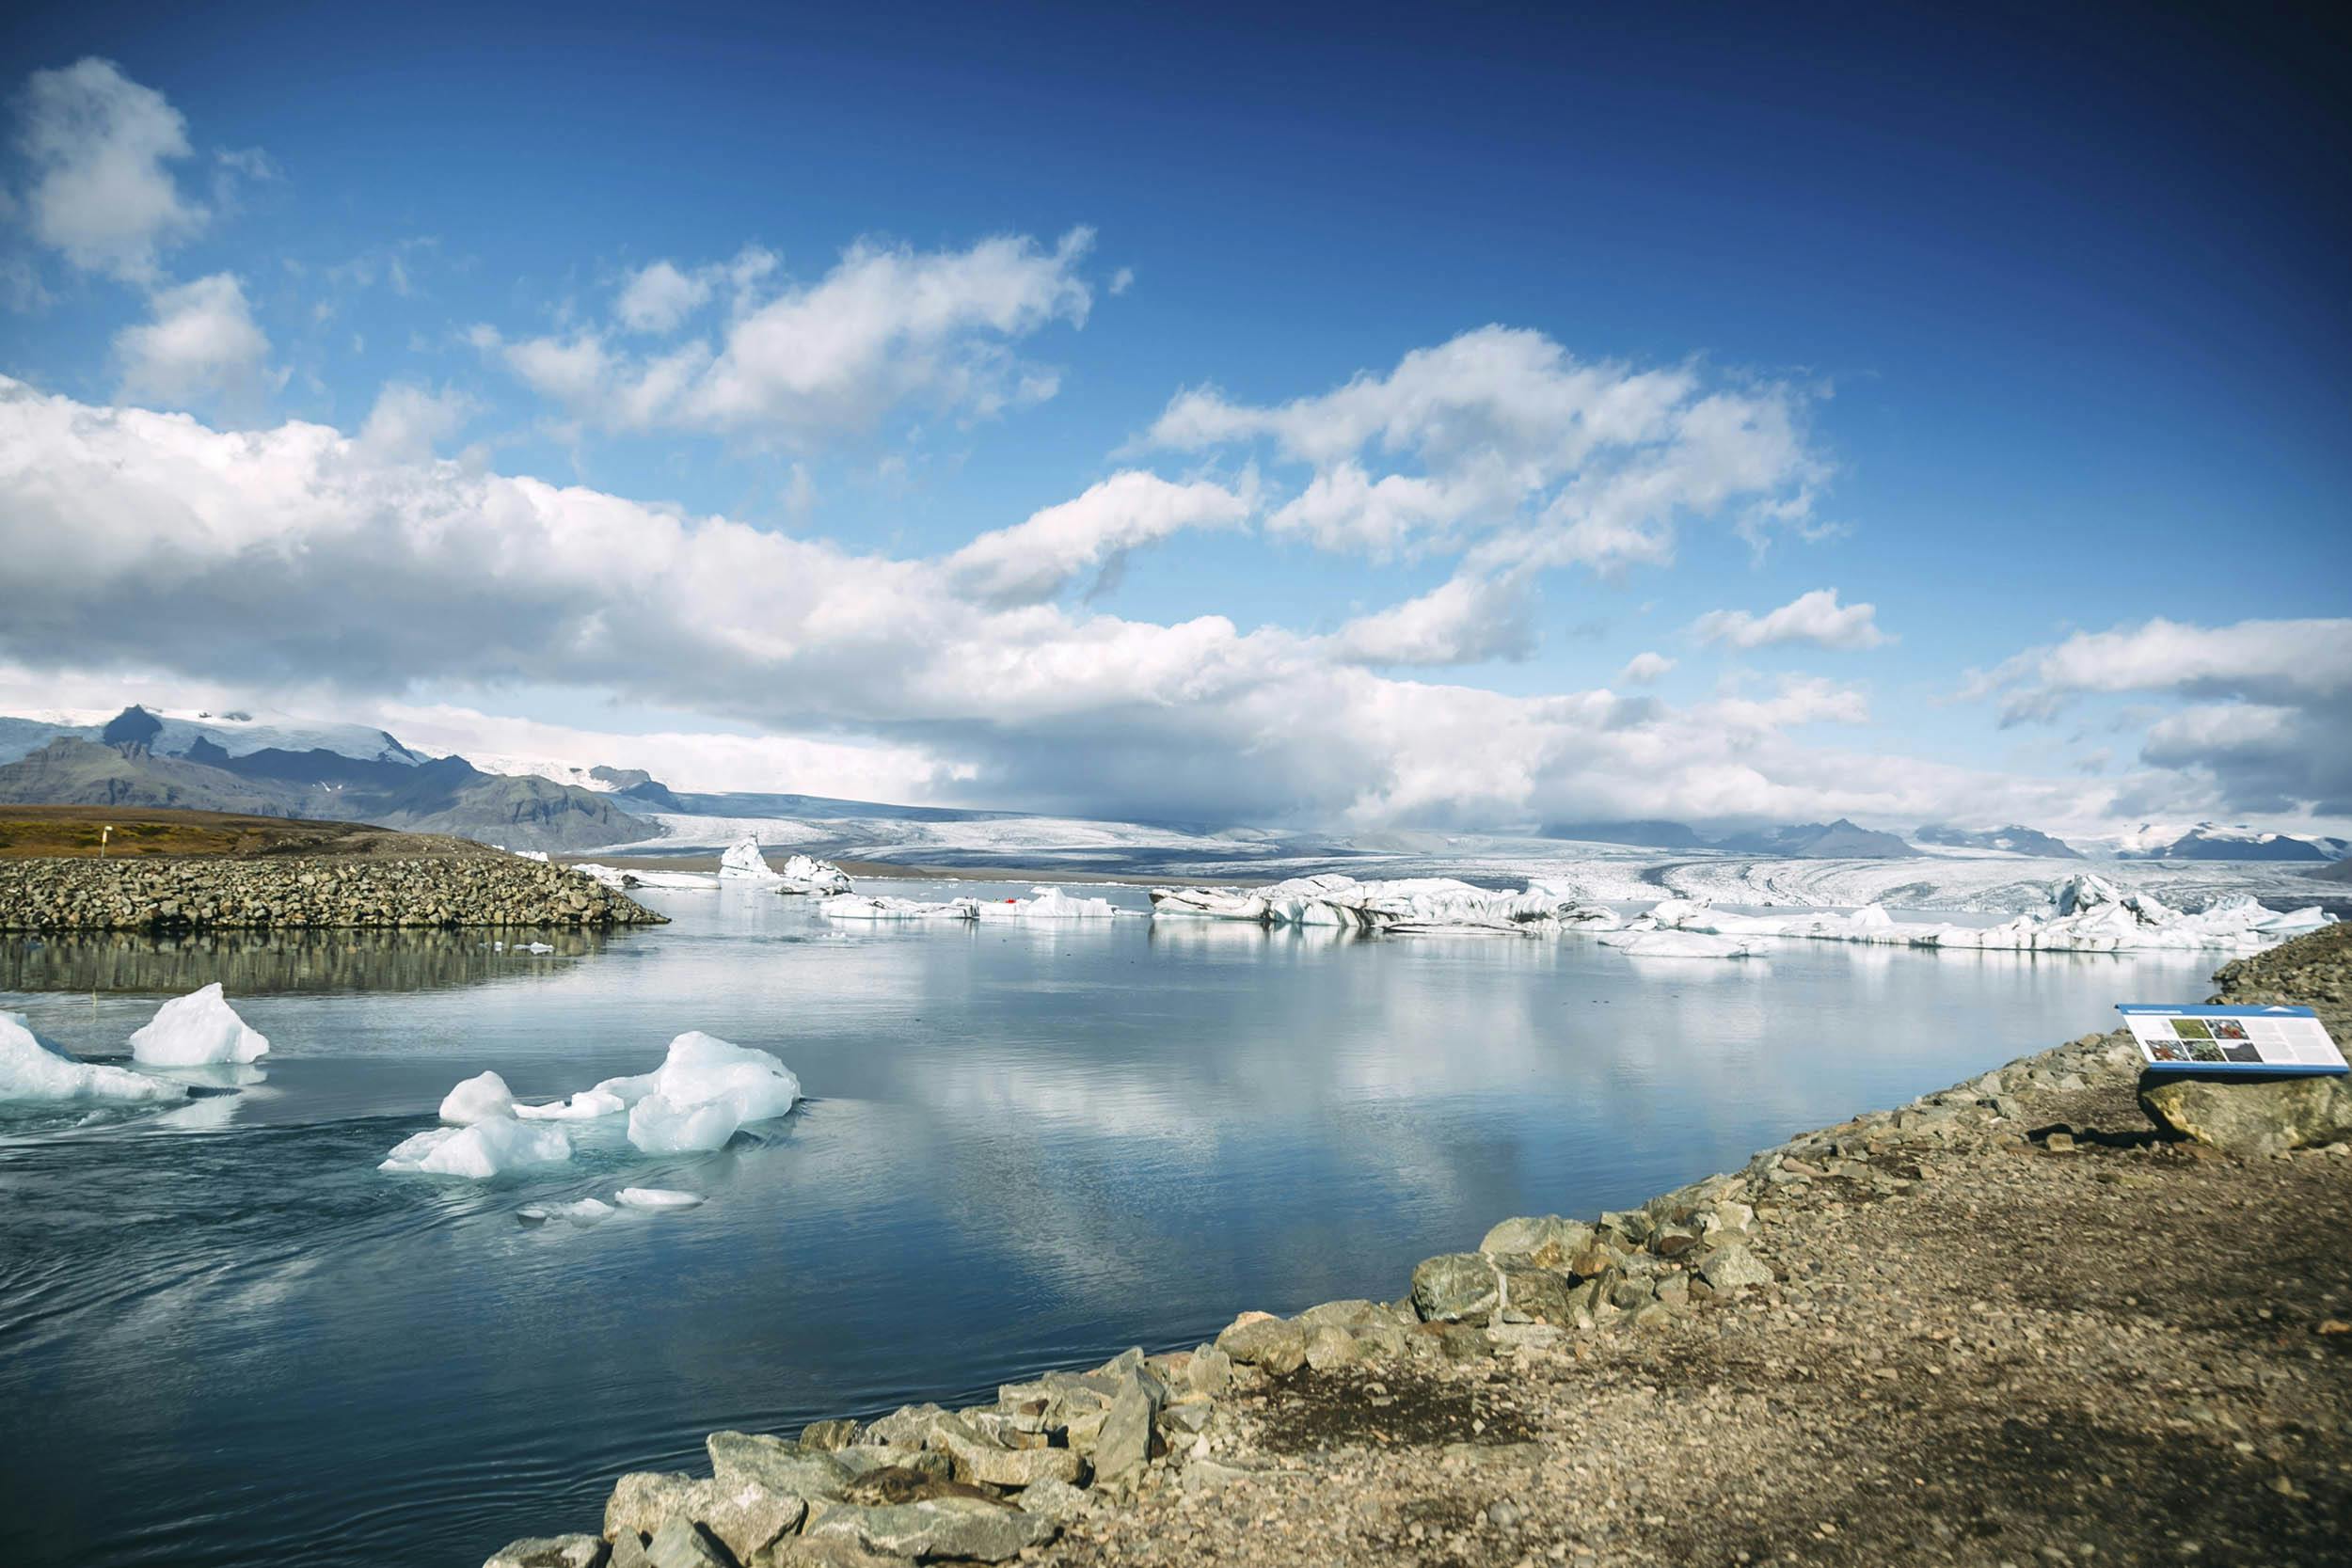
(482, 889)
(2008, 1322)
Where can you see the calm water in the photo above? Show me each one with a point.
(226, 1338)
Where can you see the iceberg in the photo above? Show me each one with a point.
(705, 1090)
(586, 1210)
(1679, 945)
(818, 878)
(1420, 904)
(478, 1099)
(196, 1029)
(34, 1071)
(658, 1197)
(743, 862)
(1046, 903)
(622, 882)
(587, 1105)
(486, 1148)
(858, 906)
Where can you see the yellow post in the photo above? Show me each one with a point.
(106, 831)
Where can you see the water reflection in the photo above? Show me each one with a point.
(262, 963)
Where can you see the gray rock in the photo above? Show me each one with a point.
(942, 1527)
(682, 1543)
(1532, 1294)
(1455, 1287)
(747, 1517)
(645, 1500)
(828, 1437)
(1052, 1499)
(1210, 1371)
(628, 1552)
(906, 1426)
(987, 1464)
(742, 1458)
(1733, 1268)
(866, 1458)
(2255, 1116)
(1350, 1315)
(1277, 1345)
(1125, 1443)
(554, 1551)
(1548, 1238)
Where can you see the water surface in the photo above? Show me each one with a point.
(225, 1339)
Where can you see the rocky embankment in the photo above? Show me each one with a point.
(464, 886)
(2013, 1322)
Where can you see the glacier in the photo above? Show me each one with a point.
(1417, 903)
(196, 1029)
(36, 1071)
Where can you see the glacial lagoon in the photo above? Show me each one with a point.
(1025, 1146)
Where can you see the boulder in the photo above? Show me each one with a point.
(742, 1458)
(866, 1458)
(896, 1484)
(554, 1551)
(1456, 1288)
(944, 1526)
(1055, 1500)
(906, 1426)
(1329, 1345)
(682, 1543)
(978, 1459)
(643, 1500)
(2250, 1116)
(1732, 1268)
(828, 1437)
(1548, 1238)
(1124, 1446)
(747, 1517)
(1210, 1370)
(1532, 1294)
(1256, 1339)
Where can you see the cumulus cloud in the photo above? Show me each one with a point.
(410, 420)
(101, 147)
(202, 340)
(2268, 716)
(1645, 668)
(1816, 618)
(297, 556)
(886, 326)
(1500, 442)
(1465, 619)
(1035, 559)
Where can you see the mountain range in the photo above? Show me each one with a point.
(2014, 839)
(2210, 842)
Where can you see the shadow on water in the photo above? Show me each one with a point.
(260, 963)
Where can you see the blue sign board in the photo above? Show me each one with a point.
(2253, 1040)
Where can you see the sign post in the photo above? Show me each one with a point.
(2237, 1041)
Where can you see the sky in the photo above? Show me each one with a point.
(1372, 417)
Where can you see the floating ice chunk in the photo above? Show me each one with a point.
(622, 882)
(535, 947)
(1421, 904)
(1047, 903)
(705, 1090)
(539, 855)
(478, 1099)
(802, 874)
(586, 1210)
(587, 1105)
(33, 1069)
(744, 863)
(628, 1091)
(486, 1150)
(196, 1029)
(857, 905)
(1679, 945)
(658, 1197)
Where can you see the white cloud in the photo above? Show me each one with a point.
(1645, 668)
(658, 298)
(410, 420)
(296, 556)
(1463, 620)
(1035, 559)
(100, 145)
(1499, 441)
(1816, 618)
(202, 340)
(888, 326)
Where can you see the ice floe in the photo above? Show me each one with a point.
(704, 1090)
(587, 1105)
(1680, 944)
(478, 1099)
(485, 1150)
(585, 1210)
(859, 906)
(802, 874)
(1046, 903)
(658, 1197)
(196, 1029)
(34, 1071)
(1423, 904)
(743, 862)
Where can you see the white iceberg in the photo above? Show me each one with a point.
(196, 1029)
(705, 1090)
(658, 1197)
(486, 1150)
(1046, 903)
(478, 1099)
(33, 1071)
(622, 882)
(1420, 904)
(858, 906)
(743, 862)
(1679, 945)
(586, 1210)
(819, 879)
(587, 1105)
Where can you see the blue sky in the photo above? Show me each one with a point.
(2047, 314)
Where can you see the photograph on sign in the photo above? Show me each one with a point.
(2232, 1039)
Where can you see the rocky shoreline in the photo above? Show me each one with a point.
(453, 885)
(2024, 1319)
